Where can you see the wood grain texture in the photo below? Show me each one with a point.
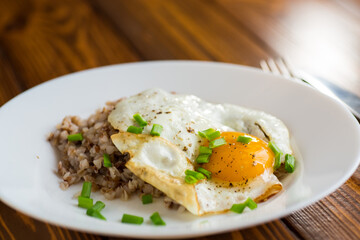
(15, 225)
(59, 36)
(332, 217)
(207, 34)
(40, 40)
(10, 83)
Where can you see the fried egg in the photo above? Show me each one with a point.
(238, 170)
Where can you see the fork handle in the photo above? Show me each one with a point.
(324, 89)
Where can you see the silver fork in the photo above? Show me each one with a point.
(281, 67)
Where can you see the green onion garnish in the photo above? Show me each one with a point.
(251, 204)
(277, 162)
(217, 143)
(196, 175)
(75, 137)
(205, 172)
(147, 198)
(202, 158)
(239, 208)
(190, 179)
(206, 132)
(289, 163)
(86, 190)
(127, 218)
(244, 139)
(156, 219)
(278, 153)
(213, 135)
(140, 120)
(95, 213)
(205, 150)
(274, 148)
(133, 129)
(156, 130)
(98, 206)
(107, 162)
(210, 134)
(85, 202)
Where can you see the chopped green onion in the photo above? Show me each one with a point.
(75, 137)
(86, 190)
(107, 162)
(98, 206)
(210, 134)
(205, 150)
(239, 208)
(251, 204)
(204, 155)
(85, 202)
(277, 162)
(244, 139)
(274, 148)
(190, 179)
(140, 120)
(202, 158)
(196, 175)
(206, 132)
(156, 219)
(156, 130)
(278, 153)
(213, 135)
(147, 198)
(217, 143)
(133, 129)
(127, 218)
(289, 163)
(205, 172)
(95, 213)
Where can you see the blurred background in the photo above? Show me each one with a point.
(44, 39)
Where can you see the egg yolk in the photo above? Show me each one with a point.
(239, 162)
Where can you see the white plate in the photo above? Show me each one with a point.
(325, 133)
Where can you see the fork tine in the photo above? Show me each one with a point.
(279, 67)
(273, 67)
(289, 67)
(264, 66)
(284, 69)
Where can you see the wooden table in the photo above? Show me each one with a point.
(41, 40)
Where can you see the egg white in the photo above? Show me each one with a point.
(183, 116)
(162, 161)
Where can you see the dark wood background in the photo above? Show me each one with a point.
(41, 40)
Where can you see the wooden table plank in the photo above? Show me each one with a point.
(158, 40)
(15, 225)
(10, 84)
(176, 22)
(47, 39)
(320, 37)
(335, 215)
